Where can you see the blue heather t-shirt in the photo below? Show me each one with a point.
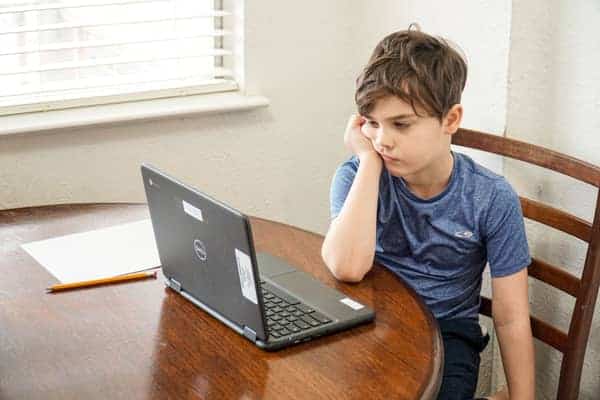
(440, 246)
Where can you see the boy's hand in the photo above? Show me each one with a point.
(355, 139)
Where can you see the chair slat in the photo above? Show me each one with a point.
(549, 334)
(540, 330)
(530, 153)
(557, 219)
(554, 276)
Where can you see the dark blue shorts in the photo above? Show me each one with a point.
(463, 341)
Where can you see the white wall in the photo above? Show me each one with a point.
(275, 162)
(554, 101)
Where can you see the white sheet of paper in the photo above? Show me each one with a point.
(101, 253)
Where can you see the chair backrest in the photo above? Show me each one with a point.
(585, 289)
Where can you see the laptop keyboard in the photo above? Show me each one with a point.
(286, 315)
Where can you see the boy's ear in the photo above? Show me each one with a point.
(452, 119)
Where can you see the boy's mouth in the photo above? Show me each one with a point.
(388, 158)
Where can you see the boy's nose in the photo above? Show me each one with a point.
(383, 140)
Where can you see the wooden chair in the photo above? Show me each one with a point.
(573, 343)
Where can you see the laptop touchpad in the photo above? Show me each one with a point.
(270, 266)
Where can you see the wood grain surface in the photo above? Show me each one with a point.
(139, 340)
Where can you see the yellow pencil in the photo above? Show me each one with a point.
(103, 281)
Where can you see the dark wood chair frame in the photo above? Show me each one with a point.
(571, 344)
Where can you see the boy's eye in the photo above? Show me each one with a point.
(373, 124)
(401, 126)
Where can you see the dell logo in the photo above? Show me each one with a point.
(200, 249)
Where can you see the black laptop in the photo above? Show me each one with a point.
(207, 256)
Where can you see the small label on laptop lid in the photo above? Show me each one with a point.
(351, 303)
(191, 210)
(244, 266)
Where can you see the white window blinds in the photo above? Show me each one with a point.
(67, 53)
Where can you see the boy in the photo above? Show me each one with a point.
(432, 216)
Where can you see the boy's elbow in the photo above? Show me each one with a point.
(342, 271)
(347, 276)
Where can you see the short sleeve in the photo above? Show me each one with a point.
(340, 186)
(504, 233)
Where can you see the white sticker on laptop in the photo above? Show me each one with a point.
(244, 266)
(351, 303)
(191, 210)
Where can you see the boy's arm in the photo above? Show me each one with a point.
(349, 246)
(510, 311)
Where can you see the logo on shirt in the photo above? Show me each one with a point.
(464, 234)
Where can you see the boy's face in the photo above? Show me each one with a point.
(408, 144)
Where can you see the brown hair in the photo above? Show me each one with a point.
(420, 69)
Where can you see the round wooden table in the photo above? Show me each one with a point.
(140, 340)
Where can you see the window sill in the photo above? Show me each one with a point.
(130, 111)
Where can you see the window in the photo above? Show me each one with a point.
(66, 53)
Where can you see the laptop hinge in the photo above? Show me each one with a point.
(175, 284)
(250, 334)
